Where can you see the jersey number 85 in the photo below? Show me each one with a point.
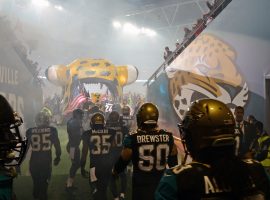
(41, 142)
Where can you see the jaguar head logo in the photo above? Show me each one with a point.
(93, 76)
(206, 69)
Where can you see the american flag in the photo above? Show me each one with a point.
(75, 103)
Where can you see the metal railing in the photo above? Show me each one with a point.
(215, 11)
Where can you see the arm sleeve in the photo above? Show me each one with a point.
(120, 165)
(125, 130)
(56, 143)
(127, 142)
(167, 188)
(172, 158)
(126, 155)
(112, 134)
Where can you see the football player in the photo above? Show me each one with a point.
(126, 118)
(150, 150)
(12, 148)
(114, 122)
(208, 135)
(41, 139)
(74, 130)
(99, 140)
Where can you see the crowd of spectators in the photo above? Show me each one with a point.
(31, 65)
(20, 50)
(215, 8)
(133, 100)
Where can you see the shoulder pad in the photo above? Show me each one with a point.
(163, 131)
(87, 132)
(179, 168)
(133, 132)
(250, 161)
(188, 167)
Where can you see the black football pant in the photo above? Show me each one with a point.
(74, 153)
(103, 175)
(41, 174)
(123, 184)
(144, 187)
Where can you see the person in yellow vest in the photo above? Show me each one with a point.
(263, 148)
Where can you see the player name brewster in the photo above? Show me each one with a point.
(152, 138)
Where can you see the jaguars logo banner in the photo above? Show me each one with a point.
(206, 69)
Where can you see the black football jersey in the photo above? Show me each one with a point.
(41, 140)
(126, 121)
(150, 151)
(196, 181)
(100, 142)
(120, 132)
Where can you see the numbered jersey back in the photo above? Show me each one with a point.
(150, 150)
(120, 132)
(41, 140)
(100, 143)
(126, 121)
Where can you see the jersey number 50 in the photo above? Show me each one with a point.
(147, 161)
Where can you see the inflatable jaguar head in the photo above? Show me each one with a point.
(91, 75)
(206, 69)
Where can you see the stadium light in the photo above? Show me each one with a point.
(131, 29)
(58, 7)
(41, 3)
(117, 24)
(148, 32)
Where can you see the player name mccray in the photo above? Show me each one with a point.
(152, 138)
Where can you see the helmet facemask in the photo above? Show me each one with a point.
(12, 145)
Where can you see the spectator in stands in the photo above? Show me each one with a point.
(177, 49)
(187, 32)
(167, 53)
(207, 18)
(252, 120)
(199, 27)
(177, 45)
(215, 6)
(209, 5)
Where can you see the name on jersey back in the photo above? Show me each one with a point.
(41, 130)
(152, 138)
